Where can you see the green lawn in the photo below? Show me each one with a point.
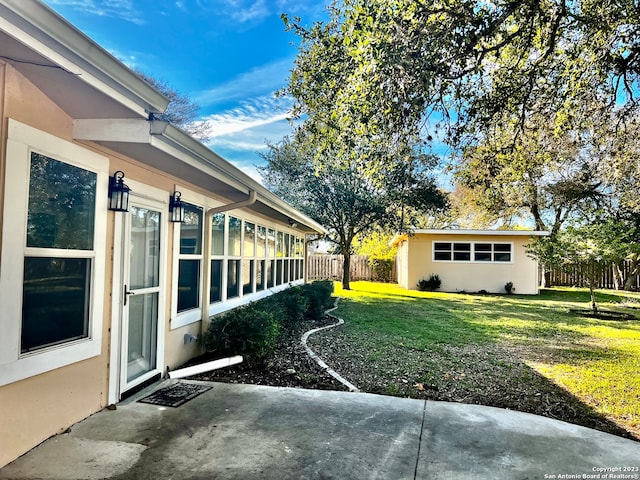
(520, 352)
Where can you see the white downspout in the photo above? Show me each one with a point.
(253, 196)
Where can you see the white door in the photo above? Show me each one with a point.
(142, 295)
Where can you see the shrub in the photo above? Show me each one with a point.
(381, 268)
(319, 298)
(430, 284)
(509, 288)
(293, 304)
(251, 331)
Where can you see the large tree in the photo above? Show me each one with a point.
(399, 60)
(345, 195)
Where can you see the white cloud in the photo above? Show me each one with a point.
(121, 9)
(239, 134)
(252, 115)
(265, 79)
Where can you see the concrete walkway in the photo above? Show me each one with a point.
(253, 432)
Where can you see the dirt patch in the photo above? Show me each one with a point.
(603, 314)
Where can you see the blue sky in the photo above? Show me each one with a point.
(229, 56)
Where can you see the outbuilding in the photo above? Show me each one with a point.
(120, 235)
(469, 260)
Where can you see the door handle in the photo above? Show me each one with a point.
(126, 294)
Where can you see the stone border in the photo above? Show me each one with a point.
(318, 360)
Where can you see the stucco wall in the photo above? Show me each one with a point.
(470, 276)
(38, 407)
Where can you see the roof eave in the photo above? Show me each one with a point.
(52, 37)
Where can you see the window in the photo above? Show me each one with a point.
(190, 259)
(218, 229)
(476, 252)
(60, 215)
(53, 268)
(442, 251)
(501, 252)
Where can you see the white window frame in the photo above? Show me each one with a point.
(472, 252)
(206, 308)
(22, 140)
(193, 315)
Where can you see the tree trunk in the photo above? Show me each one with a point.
(594, 305)
(346, 269)
(634, 270)
(618, 276)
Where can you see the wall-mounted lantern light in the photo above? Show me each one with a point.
(176, 207)
(293, 223)
(118, 193)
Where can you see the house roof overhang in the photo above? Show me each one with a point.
(401, 237)
(67, 65)
(167, 148)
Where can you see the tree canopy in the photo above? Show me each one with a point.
(346, 196)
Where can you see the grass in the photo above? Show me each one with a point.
(521, 352)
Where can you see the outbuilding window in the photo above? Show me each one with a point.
(472, 252)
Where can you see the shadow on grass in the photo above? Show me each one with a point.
(471, 349)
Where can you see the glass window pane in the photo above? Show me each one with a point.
(287, 245)
(247, 276)
(61, 205)
(217, 234)
(299, 247)
(483, 247)
(501, 257)
(442, 256)
(260, 266)
(279, 272)
(215, 293)
(233, 278)
(142, 335)
(55, 301)
(191, 230)
(270, 274)
(441, 246)
(462, 256)
(188, 284)
(145, 248)
(235, 233)
(271, 243)
(286, 271)
(249, 239)
(261, 243)
(502, 247)
(280, 244)
(483, 256)
(462, 247)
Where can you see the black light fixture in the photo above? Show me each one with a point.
(118, 193)
(293, 223)
(176, 207)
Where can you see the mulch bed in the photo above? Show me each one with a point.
(289, 366)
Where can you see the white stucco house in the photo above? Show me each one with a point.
(468, 260)
(97, 297)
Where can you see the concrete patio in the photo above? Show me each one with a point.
(256, 432)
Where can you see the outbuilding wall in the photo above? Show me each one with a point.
(416, 261)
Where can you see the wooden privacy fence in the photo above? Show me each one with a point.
(577, 277)
(329, 267)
